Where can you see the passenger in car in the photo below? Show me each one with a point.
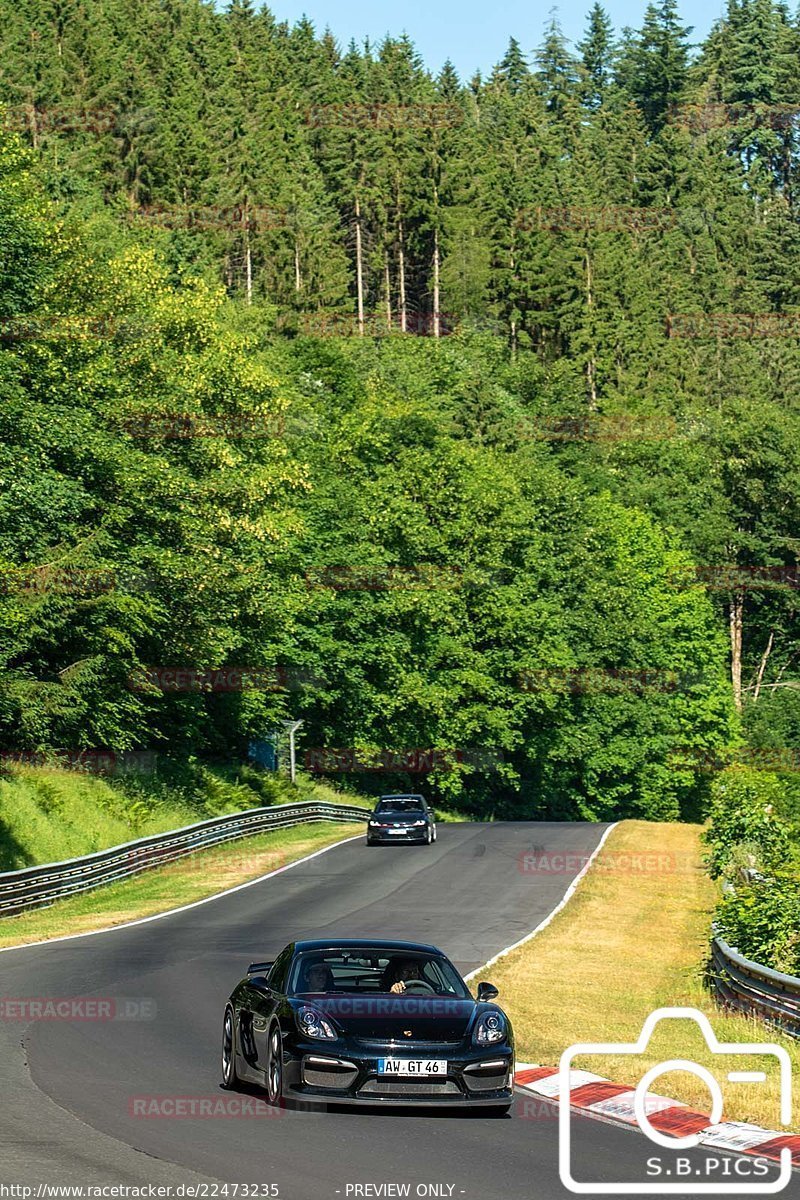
(317, 977)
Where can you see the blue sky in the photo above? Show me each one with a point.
(472, 33)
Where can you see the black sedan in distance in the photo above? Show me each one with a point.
(401, 818)
(362, 1022)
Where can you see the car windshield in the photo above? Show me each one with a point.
(374, 970)
(401, 804)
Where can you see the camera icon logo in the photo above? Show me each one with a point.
(640, 1108)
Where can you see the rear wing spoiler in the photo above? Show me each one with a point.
(259, 968)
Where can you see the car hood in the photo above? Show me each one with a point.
(384, 1017)
(398, 818)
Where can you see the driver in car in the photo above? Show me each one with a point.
(404, 970)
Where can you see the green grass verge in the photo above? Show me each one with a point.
(634, 938)
(47, 815)
(193, 878)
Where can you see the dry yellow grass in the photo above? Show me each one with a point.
(192, 878)
(632, 939)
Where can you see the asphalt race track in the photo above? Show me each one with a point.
(67, 1088)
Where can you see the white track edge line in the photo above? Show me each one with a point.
(171, 912)
(543, 924)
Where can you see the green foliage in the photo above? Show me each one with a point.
(402, 453)
(762, 921)
(748, 829)
(751, 848)
(47, 814)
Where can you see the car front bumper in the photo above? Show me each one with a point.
(410, 833)
(477, 1077)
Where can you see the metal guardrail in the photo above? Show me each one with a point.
(755, 990)
(33, 887)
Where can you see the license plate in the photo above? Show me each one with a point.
(412, 1066)
(400, 831)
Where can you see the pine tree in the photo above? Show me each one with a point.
(556, 70)
(596, 55)
(513, 69)
(659, 66)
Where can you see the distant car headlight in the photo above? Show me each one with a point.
(491, 1028)
(375, 824)
(420, 822)
(313, 1025)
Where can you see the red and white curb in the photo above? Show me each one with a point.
(597, 1096)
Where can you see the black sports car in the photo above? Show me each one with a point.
(367, 1022)
(401, 818)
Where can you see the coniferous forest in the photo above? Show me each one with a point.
(455, 415)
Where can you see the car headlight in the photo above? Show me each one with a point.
(375, 824)
(490, 1028)
(420, 822)
(314, 1025)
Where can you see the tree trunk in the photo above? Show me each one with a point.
(736, 615)
(387, 282)
(401, 263)
(298, 278)
(437, 325)
(359, 270)
(248, 258)
(591, 365)
(762, 665)
(33, 127)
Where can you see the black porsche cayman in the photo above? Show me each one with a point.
(367, 1022)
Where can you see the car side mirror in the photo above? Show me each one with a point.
(259, 982)
(487, 991)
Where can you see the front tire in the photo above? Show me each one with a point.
(274, 1066)
(230, 1079)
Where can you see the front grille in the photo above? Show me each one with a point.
(391, 1045)
(329, 1074)
(315, 1077)
(486, 1083)
(410, 1087)
(487, 1076)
